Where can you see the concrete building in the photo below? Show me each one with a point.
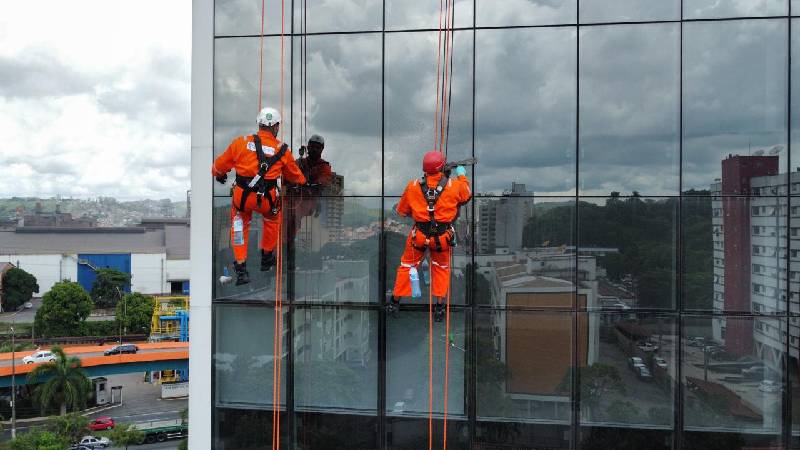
(750, 237)
(156, 254)
(501, 221)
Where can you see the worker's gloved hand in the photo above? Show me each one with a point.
(460, 170)
(222, 178)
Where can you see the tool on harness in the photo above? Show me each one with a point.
(238, 229)
(438, 236)
(259, 184)
(413, 276)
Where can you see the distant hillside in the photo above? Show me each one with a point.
(108, 211)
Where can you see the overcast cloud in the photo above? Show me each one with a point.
(94, 98)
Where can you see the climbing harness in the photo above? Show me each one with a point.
(260, 184)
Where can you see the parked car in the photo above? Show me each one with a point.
(753, 372)
(120, 349)
(647, 346)
(101, 423)
(769, 386)
(399, 407)
(94, 442)
(39, 357)
(643, 373)
(28, 305)
(634, 362)
(660, 362)
(696, 341)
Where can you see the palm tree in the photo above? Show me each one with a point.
(63, 382)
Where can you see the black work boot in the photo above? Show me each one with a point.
(392, 305)
(267, 260)
(438, 312)
(242, 277)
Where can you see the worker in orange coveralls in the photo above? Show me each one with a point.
(259, 160)
(303, 199)
(433, 202)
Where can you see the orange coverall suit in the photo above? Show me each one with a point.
(304, 201)
(413, 203)
(241, 156)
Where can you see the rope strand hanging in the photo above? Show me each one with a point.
(278, 320)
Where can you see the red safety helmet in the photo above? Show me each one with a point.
(433, 162)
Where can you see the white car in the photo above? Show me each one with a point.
(91, 441)
(399, 407)
(39, 357)
(769, 386)
(660, 362)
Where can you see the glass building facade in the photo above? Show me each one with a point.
(628, 271)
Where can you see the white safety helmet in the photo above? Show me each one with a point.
(269, 117)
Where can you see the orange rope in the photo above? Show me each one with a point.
(261, 58)
(447, 359)
(438, 62)
(430, 356)
(279, 258)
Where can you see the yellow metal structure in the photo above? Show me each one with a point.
(167, 306)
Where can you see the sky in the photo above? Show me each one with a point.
(95, 98)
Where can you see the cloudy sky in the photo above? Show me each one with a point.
(99, 92)
(94, 98)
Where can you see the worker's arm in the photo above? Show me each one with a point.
(224, 162)
(291, 172)
(464, 191)
(404, 206)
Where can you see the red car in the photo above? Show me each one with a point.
(101, 423)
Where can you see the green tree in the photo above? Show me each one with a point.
(596, 381)
(125, 434)
(63, 310)
(71, 427)
(18, 288)
(63, 383)
(109, 286)
(623, 411)
(135, 313)
(38, 440)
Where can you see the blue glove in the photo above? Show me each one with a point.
(460, 170)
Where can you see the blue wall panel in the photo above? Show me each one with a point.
(118, 261)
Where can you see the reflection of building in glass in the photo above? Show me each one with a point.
(317, 230)
(749, 211)
(532, 346)
(501, 221)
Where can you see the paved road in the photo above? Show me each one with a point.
(27, 315)
(4, 363)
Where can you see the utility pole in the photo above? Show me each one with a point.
(13, 386)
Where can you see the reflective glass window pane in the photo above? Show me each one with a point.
(243, 17)
(244, 356)
(245, 428)
(523, 367)
(732, 380)
(525, 12)
(734, 102)
(794, 255)
(631, 368)
(424, 14)
(525, 245)
(262, 285)
(407, 352)
(335, 246)
(629, 10)
(412, 433)
(629, 110)
(411, 100)
(506, 434)
(794, 164)
(396, 234)
(524, 112)
(337, 94)
(324, 430)
(628, 252)
(734, 254)
(337, 15)
(335, 360)
(236, 69)
(707, 9)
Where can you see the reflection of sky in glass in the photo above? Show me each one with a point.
(629, 10)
